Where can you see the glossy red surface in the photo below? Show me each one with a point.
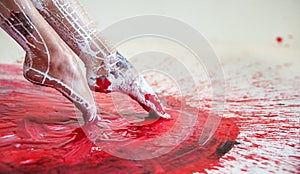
(39, 132)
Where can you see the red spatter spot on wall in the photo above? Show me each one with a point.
(279, 39)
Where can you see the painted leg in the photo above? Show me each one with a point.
(49, 61)
(107, 70)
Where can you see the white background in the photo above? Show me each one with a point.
(235, 28)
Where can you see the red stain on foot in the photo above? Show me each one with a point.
(147, 108)
(103, 83)
(153, 99)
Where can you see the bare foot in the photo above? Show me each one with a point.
(49, 61)
(116, 74)
(63, 73)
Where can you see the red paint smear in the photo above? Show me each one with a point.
(279, 39)
(39, 133)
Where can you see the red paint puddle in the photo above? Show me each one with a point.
(39, 133)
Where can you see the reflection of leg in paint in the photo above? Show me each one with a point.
(52, 62)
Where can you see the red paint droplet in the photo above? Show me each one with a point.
(279, 39)
(154, 100)
(103, 83)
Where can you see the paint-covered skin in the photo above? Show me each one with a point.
(15, 18)
(122, 77)
(106, 69)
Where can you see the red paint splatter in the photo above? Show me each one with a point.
(39, 132)
(103, 83)
(279, 39)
